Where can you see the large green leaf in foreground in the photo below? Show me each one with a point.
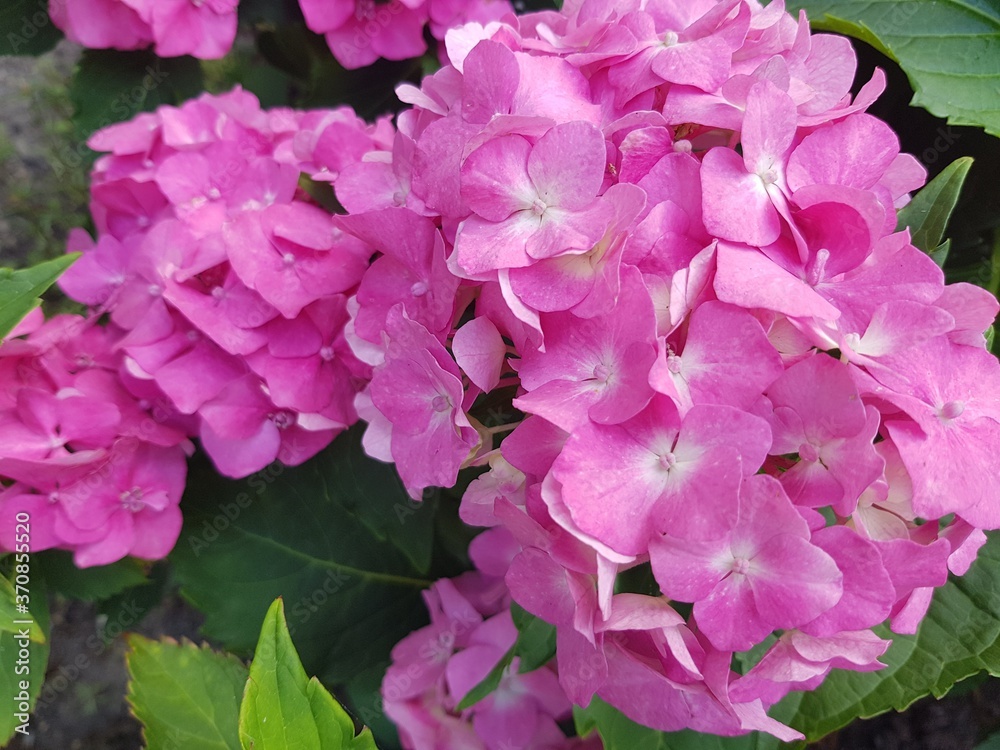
(15, 667)
(950, 49)
(283, 708)
(351, 588)
(185, 696)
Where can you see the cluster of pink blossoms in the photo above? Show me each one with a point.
(203, 28)
(225, 289)
(471, 630)
(361, 31)
(664, 232)
(94, 458)
(227, 282)
(358, 31)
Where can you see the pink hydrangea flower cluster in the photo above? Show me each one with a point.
(435, 667)
(664, 233)
(96, 459)
(203, 28)
(227, 282)
(361, 31)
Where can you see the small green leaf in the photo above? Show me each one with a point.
(12, 620)
(928, 213)
(88, 584)
(489, 683)
(536, 640)
(282, 708)
(946, 47)
(185, 696)
(20, 290)
(535, 646)
(26, 29)
(335, 726)
(23, 670)
(940, 254)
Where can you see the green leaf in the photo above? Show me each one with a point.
(20, 290)
(618, 732)
(13, 621)
(268, 13)
(111, 86)
(88, 584)
(959, 637)
(940, 254)
(489, 683)
(946, 47)
(299, 534)
(26, 29)
(20, 675)
(536, 640)
(535, 646)
(928, 213)
(990, 743)
(282, 708)
(374, 494)
(185, 696)
(363, 696)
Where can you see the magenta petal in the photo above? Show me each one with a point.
(794, 581)
(155, 532)
(727, 358)
(612, 478)
(769, 126)
(484, 246)
(495, 180)
(490, 80)
(112, 547)
(240, 457)
(735, 203)
(748, 279)
(688, 570)
(567, 165)
(854, 152)
(729, 618)
(480, 351)
(868, 590)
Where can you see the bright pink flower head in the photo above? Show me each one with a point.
(418, 390)
(435, 667)
(99, 469)
(102, 24)
(764, 575)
